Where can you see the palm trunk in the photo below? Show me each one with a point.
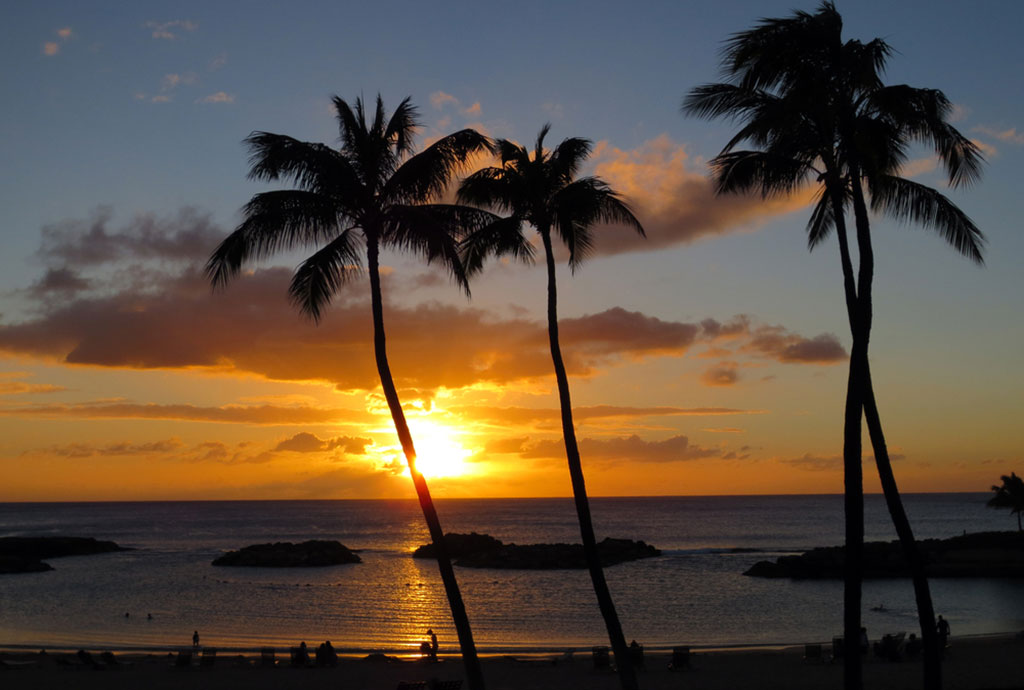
(627, 676)
(853, 479)
(932, 666)
(471, 663)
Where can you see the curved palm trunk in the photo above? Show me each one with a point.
(853, 478)
(627, 676)
(922, 594)
(471, 662)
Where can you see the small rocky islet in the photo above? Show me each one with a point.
(983, 554)
(315, 553)
(484, 551)
(27, 554)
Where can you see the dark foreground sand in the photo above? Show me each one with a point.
(982, 663)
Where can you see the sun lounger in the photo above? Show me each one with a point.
(680, 658)
(813, 654)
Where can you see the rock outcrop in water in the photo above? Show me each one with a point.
(309, 554)
(985, 554)
(26, 554)
(483, 551)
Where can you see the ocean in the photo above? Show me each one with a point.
(694, 594)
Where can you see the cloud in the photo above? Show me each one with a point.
(473, 110)
(219, 97)
(172, 29)
(440, 99)
(218, 62)
(987, 149)
(722, 374)
(22, 388)
(1011, 135)
(187, 235)
(624, 449)
(88, 450)
(50, 48)
(919, 166)
(532, 415)
(829, 463)
(173, 81)
(305, 442)
(268, 415)
(134, 296)
(675, 203)
(64, 33)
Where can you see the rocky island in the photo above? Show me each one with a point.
(985, 554)
(26, 554)
(484, 551)
(314, 553)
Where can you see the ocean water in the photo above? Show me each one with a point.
(693, 594)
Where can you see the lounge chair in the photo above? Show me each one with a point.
(184, 659)
(601, 658)
(267, 658)
(680, 659)
(813, 654)
(208, 658)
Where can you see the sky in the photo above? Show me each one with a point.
(709, 358)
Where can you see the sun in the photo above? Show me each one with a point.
(438, 451)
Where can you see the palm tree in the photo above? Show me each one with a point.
(545, 192)
(816, 108)
(1009, 495)
(369, 194)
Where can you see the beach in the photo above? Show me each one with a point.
(972, 663)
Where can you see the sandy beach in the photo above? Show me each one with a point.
(972, 663)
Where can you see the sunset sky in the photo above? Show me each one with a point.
(709, 358)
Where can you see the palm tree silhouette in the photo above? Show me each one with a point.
(1009, 495)
(816, 108)
(371, 193)
(544, 191)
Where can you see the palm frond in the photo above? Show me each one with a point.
(579, 205)
(433, 231)
(402, 126)
(318, 278)
(503, 237)
(313, 167)
(491, 188)
(822, 220)
(568, 156)
(538, 147)
(768, 174)
(427, 174)
(906, 200)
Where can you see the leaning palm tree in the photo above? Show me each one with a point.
(816, 108)
(543, 190)
(1009, 495)
(371, 193)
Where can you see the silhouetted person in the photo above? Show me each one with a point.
(433, 645)
(864, 644)
(149, 616)
(195, 639)
(942, 628)
(425, 649)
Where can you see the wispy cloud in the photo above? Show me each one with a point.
(1010, 135)
(51, 48)
(172, 29)
(219, 97)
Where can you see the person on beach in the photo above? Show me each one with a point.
(942, 627)
(433, 645)
(195, 639)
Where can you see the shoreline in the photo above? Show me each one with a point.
(980, 662)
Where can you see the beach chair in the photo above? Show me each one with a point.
(267, 658)
(446, 685)
(184, 659)
(813, 654)
(601, 658)
(208, 658)
(680, 659)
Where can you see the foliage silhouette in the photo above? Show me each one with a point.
(1009, 495)
(816, 109)
(543, 190)
(371, 193)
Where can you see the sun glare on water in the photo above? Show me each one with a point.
(438, 451)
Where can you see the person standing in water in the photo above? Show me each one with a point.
(195, 640)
